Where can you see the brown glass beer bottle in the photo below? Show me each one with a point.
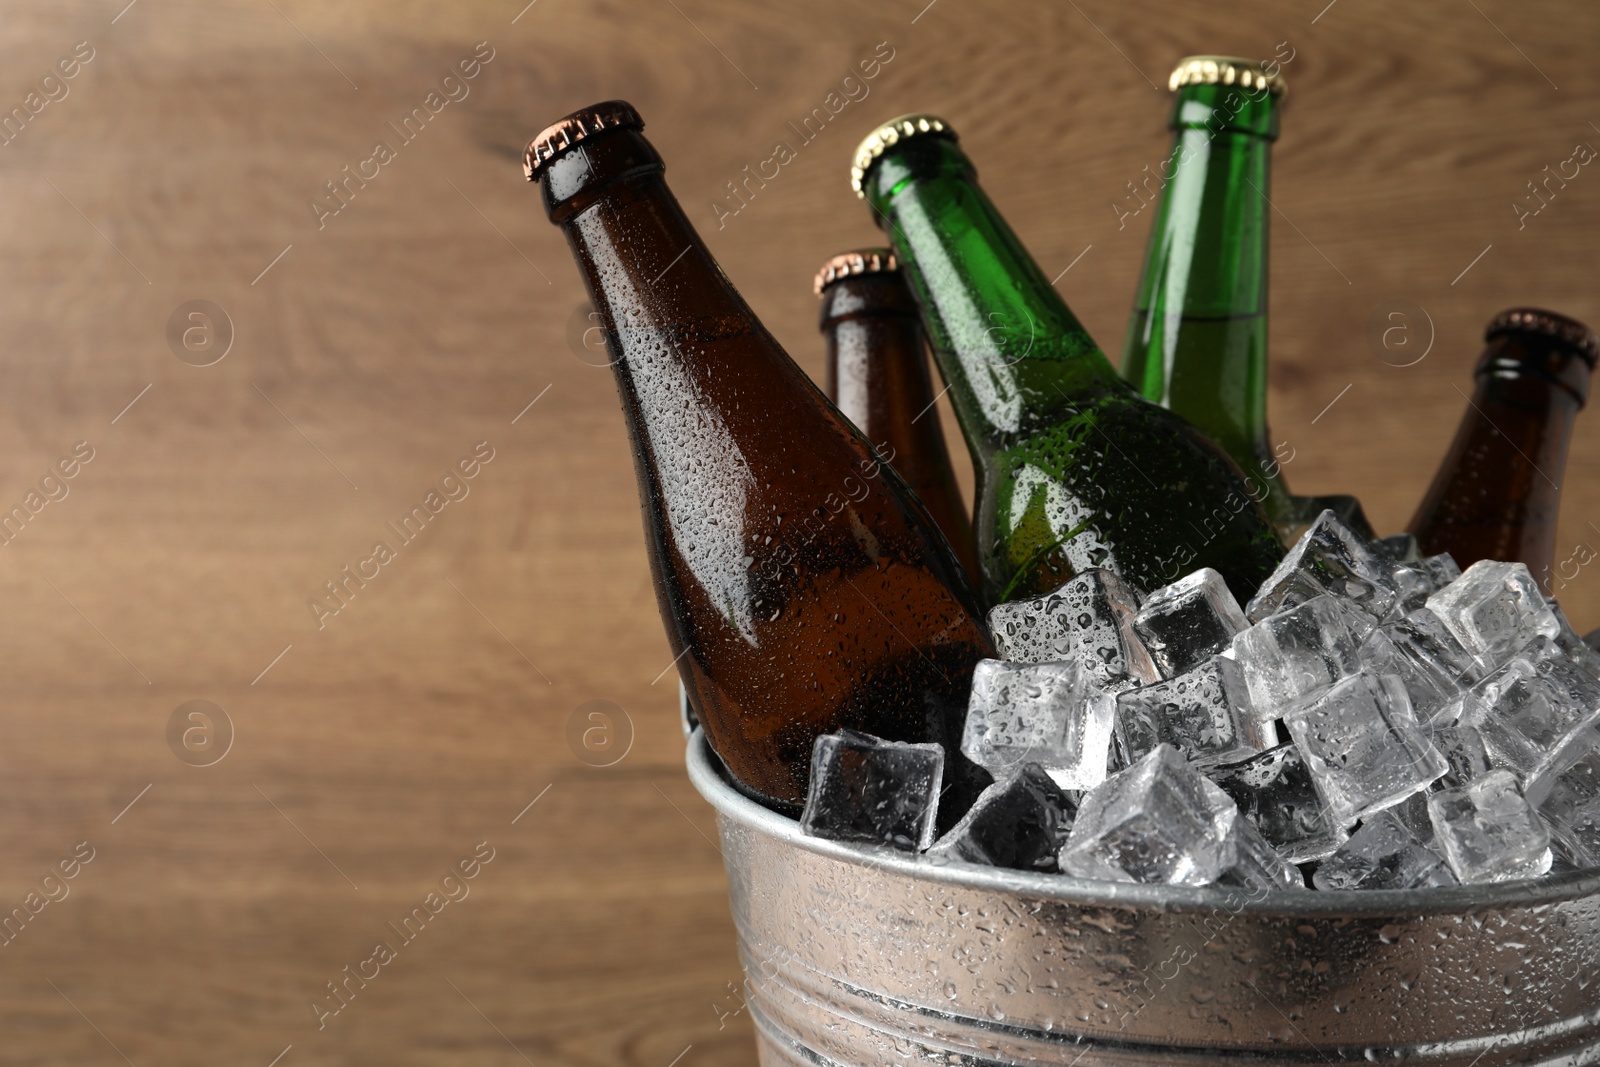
(803, 587)
(878, 376)
(1497, 492)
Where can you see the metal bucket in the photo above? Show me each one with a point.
(857, 956)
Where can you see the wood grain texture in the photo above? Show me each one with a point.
(423, 317)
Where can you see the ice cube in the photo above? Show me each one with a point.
(1578, 650)
(1526, 709)
(1359, 623)
(1413, 583)
(1413, 811)
(1020, 822)
(1088, 619)
(1427, 659)
(1274, 791)
(1330, 557)
(1185, 622)
(1488, 831)
(1443, 568)
(1464, 707)
(1383, 854)
(1398, 548)
(1158, 821)
(1559, 864)
(1554, 662)
(1251, 863)
(1494, 609)
(1204, 714)
(1566, 792)
(877, 792)
(1346, 508)
(1463, 750)
(1033, 630)
(1423, 636)
(1363, 747)
(1099, 609)
(1054, 714)
(1294, 655)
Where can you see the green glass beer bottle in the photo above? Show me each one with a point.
(878, 376)
(1197, 342)
(803, 588)
(1075, 470)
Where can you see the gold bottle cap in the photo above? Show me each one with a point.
(558, 138)
(892, 133)
(861, 261)
(1225, 70)
(1537, 320)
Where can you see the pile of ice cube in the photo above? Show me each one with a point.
(1370, 719)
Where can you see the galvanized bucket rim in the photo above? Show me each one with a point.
(709, 778)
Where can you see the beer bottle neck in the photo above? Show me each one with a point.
(1531, 405)
(1197, 342)
(878, 376)
(875, 360)
(655, 284)
(1008, 346)
(1497, 493)
(699, 378)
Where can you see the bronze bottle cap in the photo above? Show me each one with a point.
(860, 261)
(892, 133)
(1570, 332)
(1225, 70)
(556, 139)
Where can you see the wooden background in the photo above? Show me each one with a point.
(370, 754)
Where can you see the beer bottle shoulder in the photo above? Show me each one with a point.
(1117, 482)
